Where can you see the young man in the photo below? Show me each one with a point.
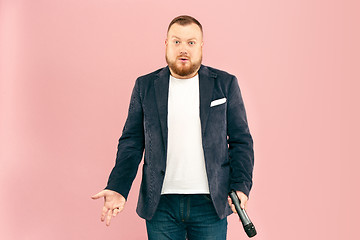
(191, 121)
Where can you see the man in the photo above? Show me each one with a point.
(191, 121)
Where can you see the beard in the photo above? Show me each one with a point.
(183, 70)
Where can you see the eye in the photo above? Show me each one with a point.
(177, 42)
(191, 43)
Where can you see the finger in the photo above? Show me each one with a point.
(103, 213)
(243, 202)
(243, 199)
(108, 217)
(115, 212)
(232, 206)
(119, 208)
(229, 201)
(98, 195)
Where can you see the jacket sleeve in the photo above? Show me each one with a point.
(240, 143)
(130, 148)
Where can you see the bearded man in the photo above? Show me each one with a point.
(190, 120)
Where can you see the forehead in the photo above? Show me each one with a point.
(185, 31)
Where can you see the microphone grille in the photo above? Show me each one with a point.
(250, 230)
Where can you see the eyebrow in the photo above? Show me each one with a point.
(187, 39)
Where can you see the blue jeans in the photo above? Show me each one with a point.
(186, 216)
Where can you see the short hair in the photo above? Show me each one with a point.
(185, 20)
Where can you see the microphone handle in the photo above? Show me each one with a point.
(245, 220)
(241, 212)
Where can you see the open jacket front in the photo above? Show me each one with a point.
(226, 139)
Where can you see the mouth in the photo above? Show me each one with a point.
(183, 59)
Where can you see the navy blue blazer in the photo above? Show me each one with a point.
(226, 139)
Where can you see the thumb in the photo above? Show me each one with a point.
(243, 199)
(242, 204)
(98, 195)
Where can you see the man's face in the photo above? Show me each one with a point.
(184, 50)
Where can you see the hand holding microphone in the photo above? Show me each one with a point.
(247, 224)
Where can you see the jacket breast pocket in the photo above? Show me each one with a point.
(217, 119)
(217, 102)
(219, 108)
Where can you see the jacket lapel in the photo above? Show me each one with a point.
(161, 85)
(206, 86)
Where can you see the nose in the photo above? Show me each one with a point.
(183, 50)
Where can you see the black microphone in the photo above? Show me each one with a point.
(246, 222)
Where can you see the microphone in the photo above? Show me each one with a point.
(246, 222)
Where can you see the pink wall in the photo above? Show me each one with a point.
(67, 70)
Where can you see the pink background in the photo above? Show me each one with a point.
(67, 71)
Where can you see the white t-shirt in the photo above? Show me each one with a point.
(185, 164)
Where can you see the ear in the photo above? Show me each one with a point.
(202, 43)
(166, 41)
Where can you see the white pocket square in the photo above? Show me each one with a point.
(217, 102)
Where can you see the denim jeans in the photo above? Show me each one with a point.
(186, 216)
